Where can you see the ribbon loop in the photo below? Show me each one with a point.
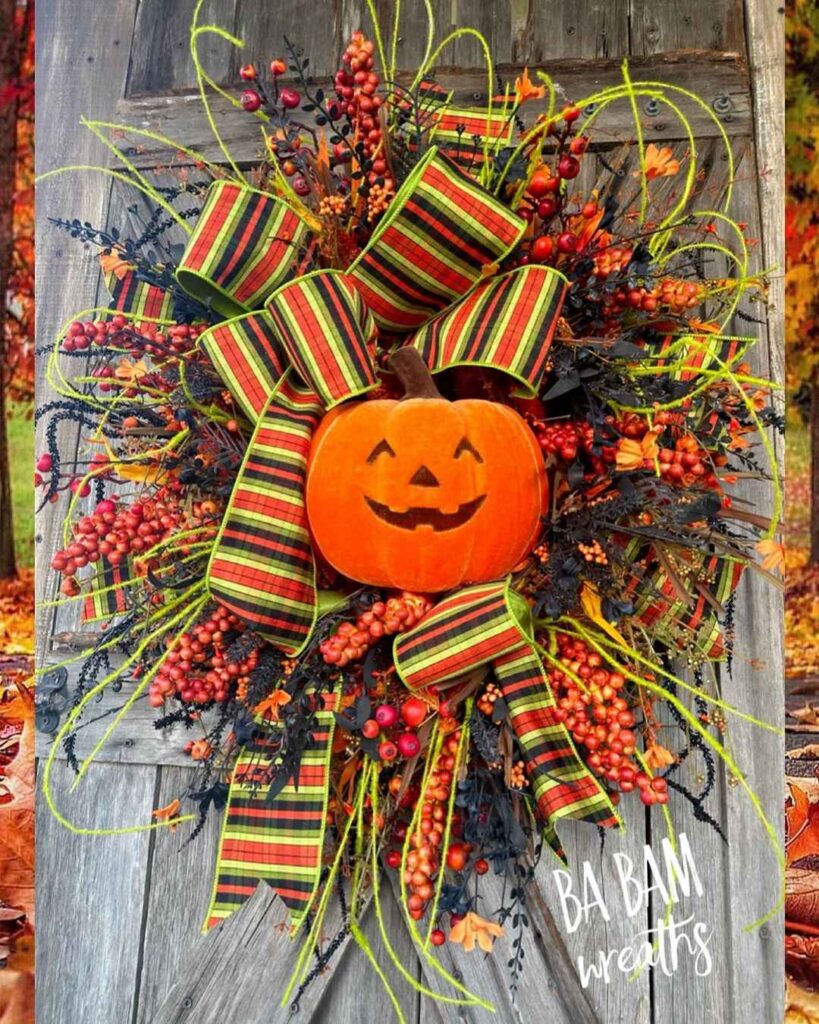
(505, 323)
(433, 244)
(279, 841)
(242, 248)
(328, 334)
(249, 357)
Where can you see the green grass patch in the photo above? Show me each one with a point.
(20, 428)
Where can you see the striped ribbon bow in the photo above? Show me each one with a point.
(428, 278)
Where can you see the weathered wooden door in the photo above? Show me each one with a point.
(118, 929)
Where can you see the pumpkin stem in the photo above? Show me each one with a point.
(409, 367)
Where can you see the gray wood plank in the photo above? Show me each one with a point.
(619, 1000)
(759, 607)
(585, 29)
(160, 57)
(177, 902)
(90, 893)
(85, 70)
(179, 886)
(708, 24)
(182, 117)
(263, 26)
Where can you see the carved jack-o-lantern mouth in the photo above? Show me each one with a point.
(420, 516)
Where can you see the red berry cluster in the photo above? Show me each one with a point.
(117, 531)
(565, 439)
(150, 339)
(356, 88)
(600, 720)
(351, 640)
(396, 728)
(424, 857)
(197, 668)
(546, 199)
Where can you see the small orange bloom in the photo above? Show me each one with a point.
(472, 928)
(201, 750)
(633, 455)
(660, 163)
(526, 90)
(773, 554)
(657, 756)
(269, 707)
(168, 813)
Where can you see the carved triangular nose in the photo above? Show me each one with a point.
(424, 477)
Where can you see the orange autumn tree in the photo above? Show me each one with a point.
(16, 237)
(802, 226)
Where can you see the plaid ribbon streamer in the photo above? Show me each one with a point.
(436, 239)
(106, 597)
(242, 248)
(262, 564)
(460, 133)
(678, 623)
(278, 841)
(490, 624)
(137, 298)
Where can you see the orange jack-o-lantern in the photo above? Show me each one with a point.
(421, 493)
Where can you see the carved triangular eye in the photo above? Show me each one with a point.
(465, 445)
(382, 448)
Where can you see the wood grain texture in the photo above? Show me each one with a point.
(90, 892)
(161, 58)
(181, 116)
(139, 896)
(713, 25)
(86, 70)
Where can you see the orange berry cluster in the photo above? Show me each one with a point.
(487, 700)
(352, 640)
(600, 720)
(612, 260)
(356, 87)
(686, 464)
(593, 552)
(197, 668)
(424, 857)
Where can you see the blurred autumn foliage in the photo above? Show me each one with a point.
(16, 239)
(16, 590)
(802, 332)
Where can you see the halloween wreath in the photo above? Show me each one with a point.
(412, 475)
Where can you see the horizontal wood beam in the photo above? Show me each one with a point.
(719, 79)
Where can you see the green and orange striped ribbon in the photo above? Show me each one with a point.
(262, 566)
(436, 240)
(689, 623)
(490, 625)
(248, 355)
(506, 323)
(279, 841)
(243, 247)
(106, 597)
(137, 298)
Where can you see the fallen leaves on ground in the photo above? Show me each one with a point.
(17, 613)
(801, 614)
